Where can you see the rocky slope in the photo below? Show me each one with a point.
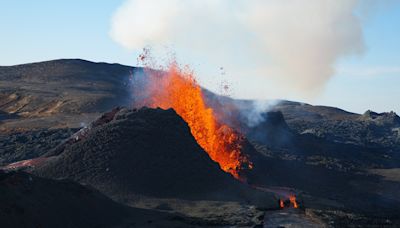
(30, 201)
(343, 162)
(62, 91)
(17, 146)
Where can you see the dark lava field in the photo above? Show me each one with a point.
(75, 151)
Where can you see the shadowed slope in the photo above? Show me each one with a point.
(30, 201)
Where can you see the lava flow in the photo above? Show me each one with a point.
(179, 90)
(291, 202)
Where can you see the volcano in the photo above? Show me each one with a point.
(147, 152)
(341, 166)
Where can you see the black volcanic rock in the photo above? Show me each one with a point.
(272, 130)
(146, 152)
(30, 201)
(388, 118)
(329, 123)
(17, 146)
(333, 124)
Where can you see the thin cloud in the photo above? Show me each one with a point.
(369, 71)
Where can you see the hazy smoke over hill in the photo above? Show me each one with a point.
(293, 42)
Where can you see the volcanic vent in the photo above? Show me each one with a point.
(145, 152)
(178, 89)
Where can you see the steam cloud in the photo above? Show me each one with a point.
(293, 42)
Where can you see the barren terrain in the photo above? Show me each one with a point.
(343, 167)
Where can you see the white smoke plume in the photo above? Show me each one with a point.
(295, 43)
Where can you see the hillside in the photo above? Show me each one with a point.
(30, 201)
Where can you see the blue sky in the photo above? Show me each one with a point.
(371, 81)
(41, 30)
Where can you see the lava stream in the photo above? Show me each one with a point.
(179, 90)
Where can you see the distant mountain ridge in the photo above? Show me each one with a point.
(72, 92)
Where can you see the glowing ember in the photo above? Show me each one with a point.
(281, 203)
(293, 202)
(179, 90)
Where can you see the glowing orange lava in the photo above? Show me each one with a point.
(281, 203)
(292, 199)
(179, 90)
(288, 203)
